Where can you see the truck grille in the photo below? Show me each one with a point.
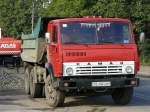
(99, 70)
(107, 68)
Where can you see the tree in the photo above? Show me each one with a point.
(15, 16)
(69, 8)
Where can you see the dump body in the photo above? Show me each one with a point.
(32, 46)
(33, 49)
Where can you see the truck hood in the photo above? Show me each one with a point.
(94, 53)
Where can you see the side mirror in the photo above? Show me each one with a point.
(142, 37)
(47, 37)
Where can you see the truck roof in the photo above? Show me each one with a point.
(86, 18)
(91, 19)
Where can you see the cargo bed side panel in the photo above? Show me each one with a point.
(33, 50)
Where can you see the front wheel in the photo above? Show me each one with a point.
(122, 96)
(54, 97)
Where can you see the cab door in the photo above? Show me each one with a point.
(54, 50)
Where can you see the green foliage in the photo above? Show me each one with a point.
(111, 8)
(15, 17)
(140, 11)
(145, 52)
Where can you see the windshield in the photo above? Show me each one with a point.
(95, 32)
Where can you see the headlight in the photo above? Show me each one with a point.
(129, 69)
(69, 71)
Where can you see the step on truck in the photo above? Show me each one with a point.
(80, 55)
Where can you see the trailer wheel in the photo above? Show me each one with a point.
(26, 80)
(35, 88)
(122, 96)
(54, 97)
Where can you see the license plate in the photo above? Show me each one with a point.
(101, 84)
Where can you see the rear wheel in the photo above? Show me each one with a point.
(54, 97)
(35, 88)
(122, 96)
(26, 80)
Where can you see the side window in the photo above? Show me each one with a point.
(54, 38)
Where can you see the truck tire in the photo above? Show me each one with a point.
(26, 81)
(35, 88)
(54, 97)
(122, 96)
(43, 91)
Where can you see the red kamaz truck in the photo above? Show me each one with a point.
(88, 55)
(10, 49)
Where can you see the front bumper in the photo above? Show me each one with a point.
(87, 83)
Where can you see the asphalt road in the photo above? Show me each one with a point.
(18, 101)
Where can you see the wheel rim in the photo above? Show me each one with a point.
(51, 94)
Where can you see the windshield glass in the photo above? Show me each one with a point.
(95, 32)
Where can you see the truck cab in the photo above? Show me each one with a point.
(89, 41)
(91, 54)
